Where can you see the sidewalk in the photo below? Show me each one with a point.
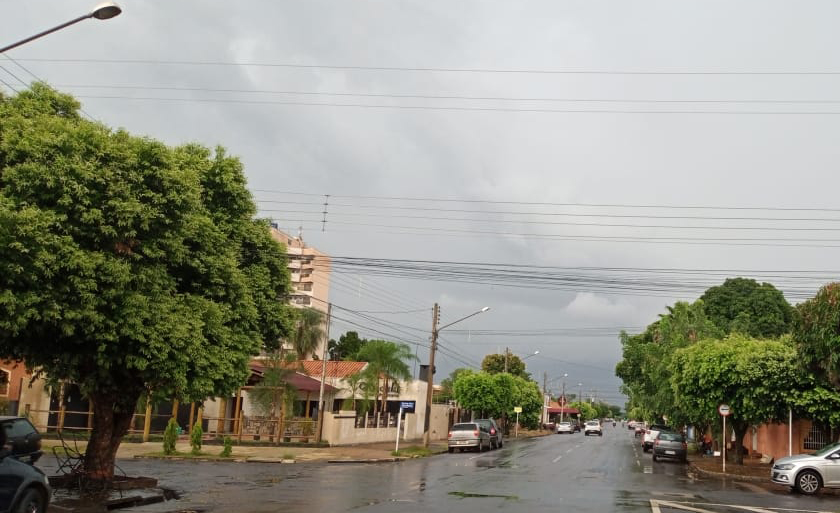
(373, 452)
(378, 452)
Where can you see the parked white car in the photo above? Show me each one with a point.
(565, 427)
(593, 427)
(807, 473)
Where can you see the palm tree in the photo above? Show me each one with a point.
(386, 364)
(273, 395)
(307, 332)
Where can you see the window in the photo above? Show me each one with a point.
(816, 439)
(4, 382)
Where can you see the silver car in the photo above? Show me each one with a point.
(807, 473)
(469, 435)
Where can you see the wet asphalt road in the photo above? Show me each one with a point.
(553, 473)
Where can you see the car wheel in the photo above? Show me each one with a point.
(501, 443)
(451, 450)
(480, 446)
(808, 482)
(654, 457)
(601, 434)
(460, 449)
(32, 501)
(644, 448)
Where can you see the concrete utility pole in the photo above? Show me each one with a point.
(323, 374)
(507, 355)
(545, 392)
(430, 376)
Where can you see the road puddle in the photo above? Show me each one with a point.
(468, 495)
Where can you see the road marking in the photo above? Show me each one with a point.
(754, 509)
(655, 504)
(555, 460)
(570, 450)
(476, 456)
(638, 463)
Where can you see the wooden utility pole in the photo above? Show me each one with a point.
(430, 376)
(545, 392)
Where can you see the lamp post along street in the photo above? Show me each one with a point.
(103, 11)
(427, 435)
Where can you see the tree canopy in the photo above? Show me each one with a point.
(744, 306)
(495, 363)
(127, 266)
(817, 333)
(347, 347)
(495, 395)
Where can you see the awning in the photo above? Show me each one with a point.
(566, 411)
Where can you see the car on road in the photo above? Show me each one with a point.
(469, 435)
(576, 426)
(22, 437)
(592, 427)
(495, 433)
(650, 435)
(670, 446)
(23, 487)
(565, 427)
(807, 473)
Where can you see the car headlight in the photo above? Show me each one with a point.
(784, 466)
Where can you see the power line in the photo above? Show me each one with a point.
(536, 71)
(446, 96)
(462, 109)
(554, 204)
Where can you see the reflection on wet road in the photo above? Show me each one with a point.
(553, 473)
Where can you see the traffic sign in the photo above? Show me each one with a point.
(724, 410)
(408, 406)
(517, 409)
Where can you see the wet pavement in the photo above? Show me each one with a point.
(553, 473)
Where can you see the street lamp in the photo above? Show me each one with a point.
(430, 371)
(507, 355)
(103, 11)
(563, 396)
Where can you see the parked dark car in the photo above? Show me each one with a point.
(22, 438)
(495, 433)
(670, 445)
(469, 435)
(23, 488)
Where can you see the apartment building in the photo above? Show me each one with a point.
(310, 276)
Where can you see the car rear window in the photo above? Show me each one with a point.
(593, 423)
(660, 427)
(464, 427)
(673, 437)
(18, 428)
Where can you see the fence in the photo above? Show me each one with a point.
(377, 420)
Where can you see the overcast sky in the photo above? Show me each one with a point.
(761, 141)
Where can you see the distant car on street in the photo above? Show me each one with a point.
(469, 435)
(592, 427)
(495, 433)
(565, 427)
(670, 446)
(807, 473)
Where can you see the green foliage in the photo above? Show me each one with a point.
(495, 363)
(754, 377)
(170, 436)
(447, 385)
(495, 395)
(817, 333)
(586, 410)
(227, 447)
(387, 363)
(743, 305)
(196, 438)
(646, 365)
(307, 333)
(347, 347)
(127, 265)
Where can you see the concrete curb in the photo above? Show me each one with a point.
(372, 460)
(721, 475)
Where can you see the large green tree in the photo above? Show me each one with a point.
(496, 363)
(347, 346)
(754, 377)
(127, 266)
(495, 395)
(307, 333)
(817, 333)
(745, 306)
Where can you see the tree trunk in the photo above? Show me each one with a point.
(385, 397)
(111, 420)
(737, 452)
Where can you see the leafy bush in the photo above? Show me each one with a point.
(170, 436)
(228, 447)
(195, 438)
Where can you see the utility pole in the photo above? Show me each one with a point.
(323, 374)
(430, 376)
(507, 355)
(545, 392)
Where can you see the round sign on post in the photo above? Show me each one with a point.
(724, 410)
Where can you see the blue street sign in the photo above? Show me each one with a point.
(408, 406)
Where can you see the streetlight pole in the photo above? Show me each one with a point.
(563, 397)
(430, 376)
(103, 11)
